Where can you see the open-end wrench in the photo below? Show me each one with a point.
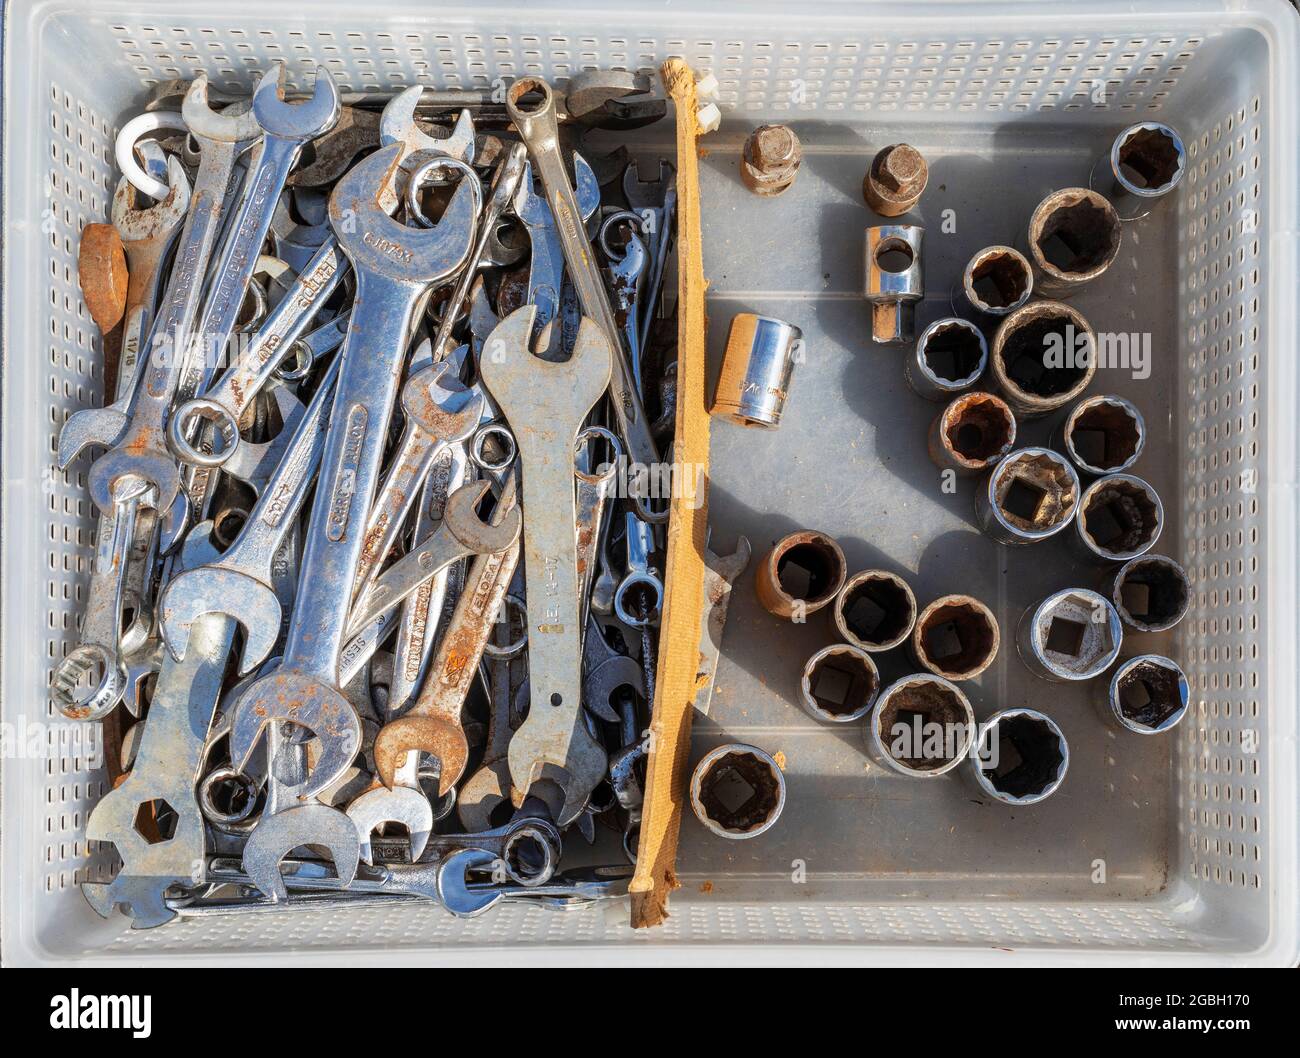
(397, 124)
(404, 804)
(395, 268)
(140, 450)
(625, 270)
(285, 127)
(164, 772)
(460, 534)
(531, 106)
(656, 201)
(545, 403)
(329, 156)
(488, 787)
(434, 724)
(232, 395)
(593, 492)
(440, 411)
(573, 890)
(242, 583)
(720, 572)
(546, 264)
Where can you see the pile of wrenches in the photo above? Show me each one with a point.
(373, 608)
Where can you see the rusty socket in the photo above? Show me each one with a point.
(802, 573)
(875, 610)
(1043, 357)
(972, 433)
(896, 179)
(770, 159)
(956, 637)
(922, 726)
(1151, 592)
(1102, 435)
(1120, 517)
(1031, 494)
(997, 280)
(737, 791)
(949, 357)
(1074, 236)
(839, 684)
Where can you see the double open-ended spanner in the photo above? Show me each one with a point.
(395, 269)
(531, 106)
(545, 403)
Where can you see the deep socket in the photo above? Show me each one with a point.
(949, 358)
(1120, 517)
(972, 433)
(1074, 236)
(956, 637)
(1102, 435)
(1043, 357)
(802, 573)
(1152, 593)
(922, 727)
(1020, 757)
(839, 684)
(875, 610)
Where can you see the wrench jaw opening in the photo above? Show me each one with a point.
(143, 899)
(211, 589)
(158, 469)
(304, 120)
(309, 824)
(482, 794)
(398, 125)
(434, 735)
(136, 225)
(73, 698)
(235, 124)
(402, 805)
(88, 427)
(296, 698)
(379, 245)
(454, 890)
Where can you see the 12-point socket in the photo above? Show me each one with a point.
(1152, 593)
(1074, 236)
(1031, 494)
(1043, 357)
(839, 684)
(922, 726)
(1145, 162)
(1102, 435)
(956, 637)
(1020, 758)
(737, 791)
(1120, 517)
(997, 280)
(802, 573)
(1072, 635)
(972, 433)
(875, 610)
(949, 357)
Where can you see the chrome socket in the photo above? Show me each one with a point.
(839, 684)
(956, 637)
(1147, 694)
(802, 573)
(922, 727)
(1151, 593)
(1019, 758)
(1031, 494)
(1074, 236)
(949, 358)
(1101, 435)
(737, 791)
(997, 280)
(972, 433)
(893, 281)
(1071, 635)
(875, 610)
(1043, 357)
(1145, 162)
(1120, 517)
(756, 370)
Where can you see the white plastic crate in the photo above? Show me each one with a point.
(1220, 880)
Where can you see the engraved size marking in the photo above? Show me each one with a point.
(387, 246)
(345, 481)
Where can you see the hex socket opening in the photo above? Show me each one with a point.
(1120, 517)
(956, 636)
(1152, 593)
(977, 429)
(1149, 158)
(1035, 492)
(875, 610)
(998, 280)
(953, 352)
(1037, 355)
(1072, 635)
(737, 791)
(922, 725)
(839, 684)
(1148, 694)
(1104, 435)
(803, 572)
(1075, 234)
(1022, 756)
